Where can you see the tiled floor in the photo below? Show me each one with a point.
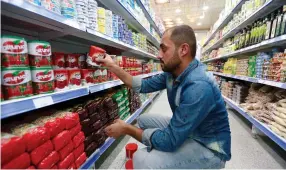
(247, 152)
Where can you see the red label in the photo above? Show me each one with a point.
(44, 76)
(14, 78)
(43, 49)
(14, 46)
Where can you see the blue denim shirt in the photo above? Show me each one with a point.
(198, 111)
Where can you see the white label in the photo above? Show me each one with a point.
(43, 101)
(42, 75)
(97, 73)
(13, 46)
(15, 77)
(104, 72)
(42, 49)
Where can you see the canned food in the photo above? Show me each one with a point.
(87, 76)
(71, 61)
(58, 60)
(97, 76)
(95, 53)
(61, 80)
(39, 53)
(43, 80)
(74, 78)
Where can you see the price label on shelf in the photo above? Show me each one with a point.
(43, 101)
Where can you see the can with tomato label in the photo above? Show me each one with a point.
(104, 75)
(58, 60)
(40, 54)
(95, 53)
(82, 61)
(14, 52)
(61, 80)
(43, 80)
(97, 75)
(74, 78)
(71, 61)
(16, 82)
(87, 76)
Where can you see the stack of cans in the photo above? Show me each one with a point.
(92, 15)
(52, 5)
(68, 9)
(108, 23)
(120, 28)
(101, 20)
(115, 26)
(82, 13)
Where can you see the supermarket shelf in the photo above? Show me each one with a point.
(117, 7)
(263, 11)
(261, 126)
(148, 16)
(278, 41)
(225, 20)
(55, 26)
(96, 155)
(253, 80)
(14, 107)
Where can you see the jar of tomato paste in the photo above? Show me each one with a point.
(58, 60)
(61, 80)
(74, 78)
(14, 52)
(43, 80)
(87, 76)
(95, 53)
(97, 75)
(71, 61)
(40, 54)
(16, 82)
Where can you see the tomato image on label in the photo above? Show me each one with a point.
(58, 60)
(40, 61)
(43, 49)
(14, 78)
(44, 76)
(16, 46)
(61, 79)
(75, 77)
(72, 61)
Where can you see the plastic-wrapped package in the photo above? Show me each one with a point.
(97, 125)
(78, 139)
(38, 154)
(31, 167)
(75, 130)
(11, 147)
(64, 164)
(90, 148)
(54, 167)
(70, 119)
(64, 152)
(80, 160)
(49, 161)
(94, 117)
(52, 124)
(88, 140)
(61, 140)
(72, 166)
(98, 134)
(78, 151)
(33, 136)
(21, 162)
(82, 112)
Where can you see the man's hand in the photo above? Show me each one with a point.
(117, 129)
(107, 61)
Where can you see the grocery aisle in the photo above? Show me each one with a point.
(247, 152)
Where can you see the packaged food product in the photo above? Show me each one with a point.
(88, 140)
(75, 130)
(21, 162)
(82, 113)
(80, 160)
(49, 161)
(61, 140)
(104, 75)
(72, 166)
(16, 83)
(78, 151)
(78, 139)
(95, 53)
(38, 154)
(54, 167)
(64, 152)
(39, 53)
(64, 164)
(52, 5)
(94, 117)
(98, 134)
(74, 78)
(72, 61)
(97, 125)
(97, 75)
(35, 2)
(53, 124)
(58, 60)
(90, 148)
(71, 120)
(61, 80)
(33, 136)
(87, 76)
(43, 80)
(11, 147)
(82, 61)
(14, 51)
(31, 167)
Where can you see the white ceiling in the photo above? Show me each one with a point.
(191, 10)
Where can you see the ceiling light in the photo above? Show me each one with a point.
(178, 10)
(167, 19)
(205, 8)
(199, 23)
(162, 1)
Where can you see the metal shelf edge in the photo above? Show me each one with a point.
(267, 131)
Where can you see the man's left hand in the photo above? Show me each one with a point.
(117, 129)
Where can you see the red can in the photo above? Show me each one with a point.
(97, 76)
(74, 78)
(58, 60)
(71, 61)
(87, 76)
(61, 80)
(95, 53)
(82, 61)
(104, 75)
(131, 148)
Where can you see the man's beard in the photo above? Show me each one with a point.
(172, 64)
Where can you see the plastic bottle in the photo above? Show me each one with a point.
(279, 21)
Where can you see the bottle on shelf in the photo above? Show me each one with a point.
(247, 37)
(279, 21)
(268, 27)
(283, 22)
(274, 24)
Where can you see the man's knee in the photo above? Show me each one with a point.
(141, 121)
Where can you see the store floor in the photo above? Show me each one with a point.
(247, 152)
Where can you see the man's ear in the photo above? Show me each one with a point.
(184, 49)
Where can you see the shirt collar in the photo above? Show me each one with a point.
(191, 67)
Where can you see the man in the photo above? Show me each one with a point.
(198, 134)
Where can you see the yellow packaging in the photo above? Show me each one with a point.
(100, 12)
(101, 22)
(101, 29)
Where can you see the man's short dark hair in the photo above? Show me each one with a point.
(184, 34)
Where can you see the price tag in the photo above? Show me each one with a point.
(43, 101)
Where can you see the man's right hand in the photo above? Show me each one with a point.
(107, 61)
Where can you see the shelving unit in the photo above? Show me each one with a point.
(253, 80)
(261, 126)
(15, 107)
(224, 22)
(263, 11)
(96, 155)
(278, 41)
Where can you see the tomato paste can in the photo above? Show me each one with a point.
(40, 54)
(97, 75)
(14, 52)
(74, 78)
(61, 79)
(43, 80)
(82, 61)
(71, 61)
(95, 53)
(16, 82)
(58, 60)
(87, 76)
(104, 75)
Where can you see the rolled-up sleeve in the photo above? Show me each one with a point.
(196, 102)
(149, 85)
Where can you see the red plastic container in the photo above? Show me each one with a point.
(131, 148)
(58, 60)
(75, 78)
(95, 53)
(129, 164)
(61, 79)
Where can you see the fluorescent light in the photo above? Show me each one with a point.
(205, 8)
(178, 10)
(162, 1)
(199, 23)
